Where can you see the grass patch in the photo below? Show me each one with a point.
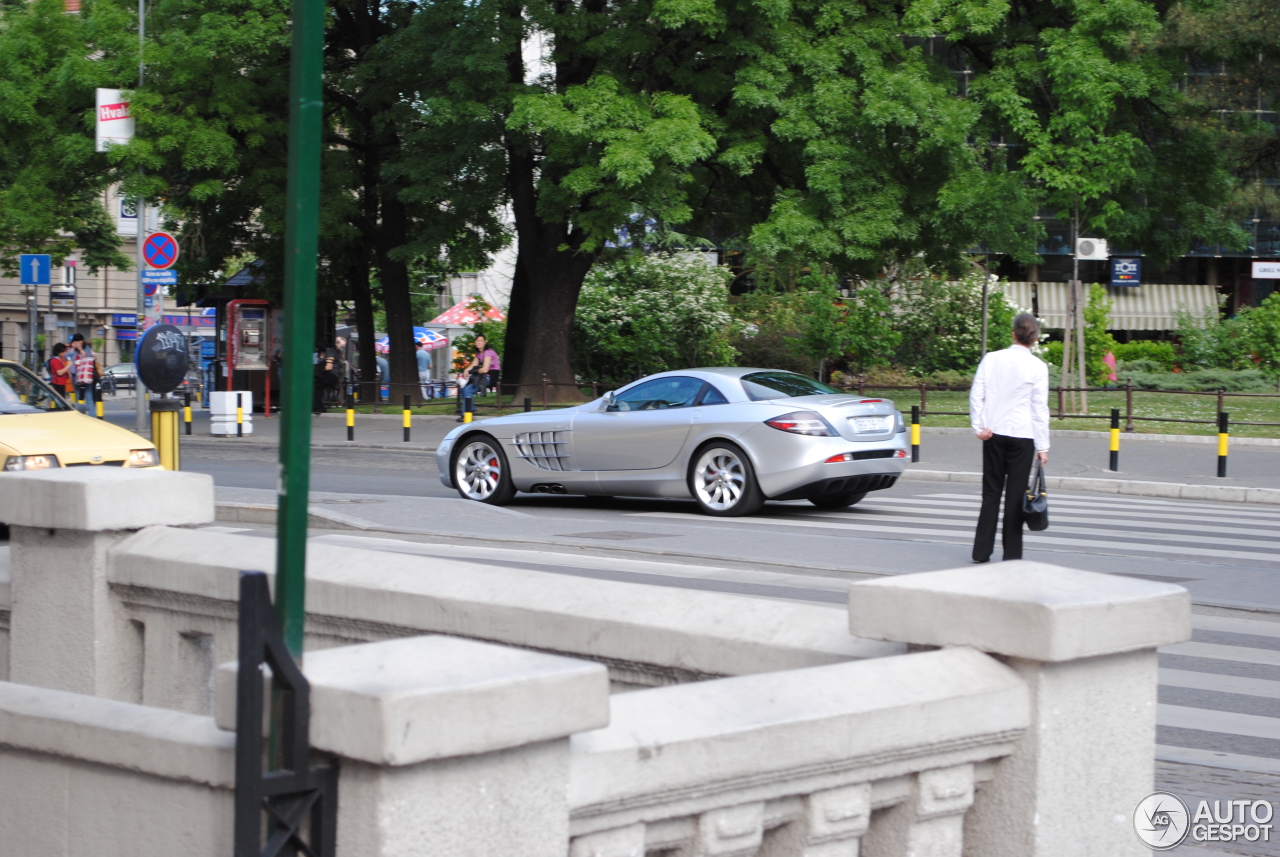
(1145, 404)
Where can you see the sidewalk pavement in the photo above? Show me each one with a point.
(945, 455)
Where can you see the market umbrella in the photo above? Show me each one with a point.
(429, 338)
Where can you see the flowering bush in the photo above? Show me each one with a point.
(940, 322)
(644, 314)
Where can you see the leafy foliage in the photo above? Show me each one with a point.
(1097, 341)
(940, 323)
(1209, 341)
(644, 314)
(51, 179)
(1264, 335)
(1159, 354)
(858, 328)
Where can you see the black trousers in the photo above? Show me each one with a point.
(1006, 468)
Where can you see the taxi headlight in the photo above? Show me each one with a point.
(143, 458)
(30, 462)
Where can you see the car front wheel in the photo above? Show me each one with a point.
(723, 482)
(837, 501)
(480, 471)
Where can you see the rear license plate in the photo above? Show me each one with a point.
(869, 424)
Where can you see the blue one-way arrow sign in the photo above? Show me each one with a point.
(35, 268)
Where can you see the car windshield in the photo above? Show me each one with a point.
(24, 393)
(780, 385)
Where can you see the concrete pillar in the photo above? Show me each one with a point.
(65, 633)
(1085, 644)
(447, 746)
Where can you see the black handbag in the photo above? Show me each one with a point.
(1035, 505)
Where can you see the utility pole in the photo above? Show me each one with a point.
(142, 419)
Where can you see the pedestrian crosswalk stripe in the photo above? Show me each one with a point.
(1058, 502)
(870, 511)
(1219, 652)
(1256, 627)
(1221, 683)
(1223, 722)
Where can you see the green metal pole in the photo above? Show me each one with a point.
(302, 236)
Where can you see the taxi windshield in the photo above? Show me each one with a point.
(23, 393)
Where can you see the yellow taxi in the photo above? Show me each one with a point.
(40, 430)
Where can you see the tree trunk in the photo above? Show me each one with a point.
(550, 270)
(393, 274)
(362, 296)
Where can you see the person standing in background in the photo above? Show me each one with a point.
(85, 370)
(61, 371)
(1009, 411)
(424, 368)
(476, 376)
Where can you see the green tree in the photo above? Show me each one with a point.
(858, 328)
(1209, 341)
(51, 179)
(1098, 342)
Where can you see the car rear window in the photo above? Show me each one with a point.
(780, 385)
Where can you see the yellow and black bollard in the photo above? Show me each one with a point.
(186, 412)
(915, 433)
(97, 405)
(1222, 443)
(407, 418)
(239, 415)
(1115, 440)
(351, 416)
(467, 405)
(164, 431)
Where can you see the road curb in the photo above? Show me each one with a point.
(1124, 437)
(261, 513)
(1172, 490)
(212, 443)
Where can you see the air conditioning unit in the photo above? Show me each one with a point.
(1091, 248)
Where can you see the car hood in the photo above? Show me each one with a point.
(70, 435)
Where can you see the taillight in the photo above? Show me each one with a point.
(802, 422)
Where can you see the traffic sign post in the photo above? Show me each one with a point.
(35, 268)
(160, 250)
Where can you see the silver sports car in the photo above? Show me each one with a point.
(729, 438)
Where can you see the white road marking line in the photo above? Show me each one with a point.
(1173, 514)
(1220, 683)
(1219, 652)
(1031, 538)
(1222, 722)
(1139, 501)
(1058, 517)
(1215, 759)
(1232, 625)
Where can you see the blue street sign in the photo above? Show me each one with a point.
(151, 277)
(149, 289)
(149, 302)
(1126, 272)
(124, 320)
(35, 268)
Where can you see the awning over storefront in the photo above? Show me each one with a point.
(1152, 306)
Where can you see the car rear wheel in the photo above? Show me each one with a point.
(723, 482)
(481, 473)
(837, 501)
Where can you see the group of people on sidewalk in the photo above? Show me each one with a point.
(74, 370)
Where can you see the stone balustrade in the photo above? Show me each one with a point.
(981, 712)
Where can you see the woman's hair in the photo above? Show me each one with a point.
(1025, 329)
(58, 349)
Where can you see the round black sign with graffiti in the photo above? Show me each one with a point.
(162, 358)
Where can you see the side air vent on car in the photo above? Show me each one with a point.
(545, 450)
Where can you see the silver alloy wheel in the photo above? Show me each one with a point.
(720, 479)
(478, 470)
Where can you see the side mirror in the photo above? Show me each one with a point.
(610, 401)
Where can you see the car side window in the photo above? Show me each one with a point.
(712, 396)
(658, 394)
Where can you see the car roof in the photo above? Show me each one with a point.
(708, 373)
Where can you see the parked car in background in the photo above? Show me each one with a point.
(729, 438)
(122, 376)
